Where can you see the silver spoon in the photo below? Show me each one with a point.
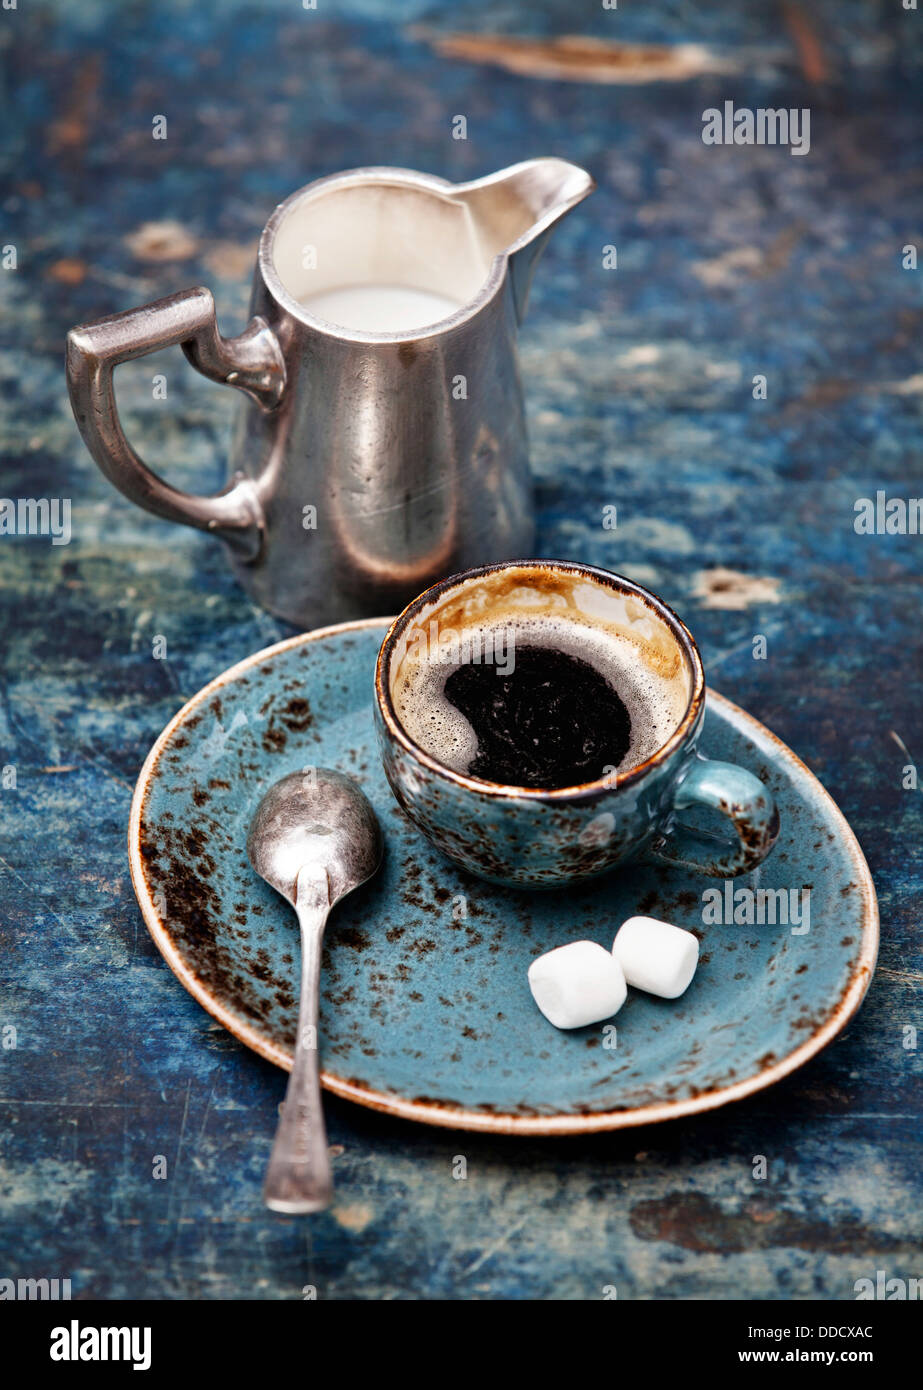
(314, 839)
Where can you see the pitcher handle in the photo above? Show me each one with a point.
(252, 362)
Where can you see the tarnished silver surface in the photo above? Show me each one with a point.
(253, 363)
(364, 466)
(314, 839)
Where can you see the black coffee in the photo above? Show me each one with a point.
(533, 700)
(552, 722)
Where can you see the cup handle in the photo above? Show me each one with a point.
(253, 363)
(739, 796)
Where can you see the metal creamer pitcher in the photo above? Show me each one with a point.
(382, 441)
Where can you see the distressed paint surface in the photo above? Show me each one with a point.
(732, 262)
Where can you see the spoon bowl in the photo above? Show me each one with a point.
(317, 817)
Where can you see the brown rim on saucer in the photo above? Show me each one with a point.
(617, 582)
(451, 1117)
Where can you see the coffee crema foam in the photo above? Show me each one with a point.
(655, 702)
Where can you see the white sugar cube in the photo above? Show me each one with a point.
(656, 956)
(577, 984)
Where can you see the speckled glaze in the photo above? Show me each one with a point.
(525, 838)
(425, 1010)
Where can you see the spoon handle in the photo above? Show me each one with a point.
(298, 1177)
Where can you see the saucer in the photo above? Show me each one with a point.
(425, 1008)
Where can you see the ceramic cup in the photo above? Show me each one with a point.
(525, 837)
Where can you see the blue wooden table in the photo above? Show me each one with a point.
(737, 503)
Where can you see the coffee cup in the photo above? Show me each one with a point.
(539, 720)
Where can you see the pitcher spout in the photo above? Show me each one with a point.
(515, 211)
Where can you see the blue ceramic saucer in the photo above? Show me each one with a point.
(425, 1009)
